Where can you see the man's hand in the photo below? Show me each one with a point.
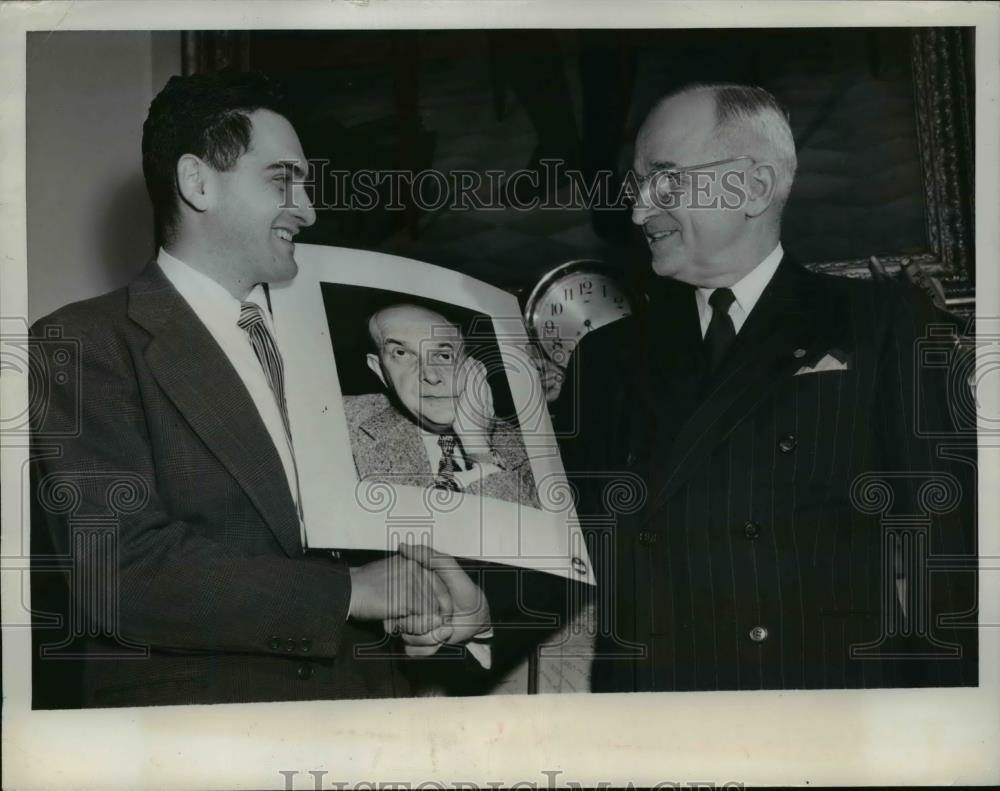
(402, 589)
(470, 611)
(550, 374)
(481, 470)
(474, 410)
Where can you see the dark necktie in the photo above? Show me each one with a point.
(252, 322)
(721, 333)
(448, 465)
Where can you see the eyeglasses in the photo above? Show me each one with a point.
(673, 177)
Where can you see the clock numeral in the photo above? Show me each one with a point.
(604, 290)
(586, 287)
(568, 294)
(556, 308)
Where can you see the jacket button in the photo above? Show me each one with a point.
(274, 643)
(305, 645)
(758, 634)
(787, 443)
(631, 459)
(751, 530)
(304, 671)
(290, 645)
(647, 538)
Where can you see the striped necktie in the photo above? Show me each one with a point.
(252, 322)
(448, 465)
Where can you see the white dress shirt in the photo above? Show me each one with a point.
(219, 311)
(747, 291)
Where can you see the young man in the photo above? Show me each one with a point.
(190, 582)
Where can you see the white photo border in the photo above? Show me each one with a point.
(547, 539)
(854, 737)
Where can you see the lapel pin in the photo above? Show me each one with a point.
(799, 354)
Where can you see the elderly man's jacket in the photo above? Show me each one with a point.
(803, 518)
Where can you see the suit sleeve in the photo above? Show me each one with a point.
(931, 459)
(148, 577)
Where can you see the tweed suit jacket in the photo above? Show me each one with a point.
(388, 445)
(757, 552)
(200, 591)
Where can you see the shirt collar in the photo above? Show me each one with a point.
(432, 437)
(208, 299)
(748, 289)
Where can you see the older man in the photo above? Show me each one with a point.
(761, 406)
(435, 423)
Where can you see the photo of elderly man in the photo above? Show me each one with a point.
(433, 423)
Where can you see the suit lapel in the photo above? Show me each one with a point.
(198, 378)
(790, 325)
(675, 359)
(509, 447)
(397, 447)
(664, 345)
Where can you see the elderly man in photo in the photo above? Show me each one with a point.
(435, 424)
(761, 405)
(200, 590)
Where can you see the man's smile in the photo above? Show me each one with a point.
(285, 235)
(653, 237)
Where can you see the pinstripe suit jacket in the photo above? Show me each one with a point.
(754, 555)
(202, 592)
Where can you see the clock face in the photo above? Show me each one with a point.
(571, 301)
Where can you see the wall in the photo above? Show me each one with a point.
(90, 226)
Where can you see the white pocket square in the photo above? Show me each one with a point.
(828, 363)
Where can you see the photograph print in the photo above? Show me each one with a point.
(296, 430)
(415, 405)
(425, 395)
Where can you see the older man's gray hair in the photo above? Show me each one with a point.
(749, 121)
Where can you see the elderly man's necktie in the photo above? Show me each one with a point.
(252, 322)
(721, 332)
(448, 465)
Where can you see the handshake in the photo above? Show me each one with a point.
(422, 595)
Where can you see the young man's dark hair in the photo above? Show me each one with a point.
(202, 114)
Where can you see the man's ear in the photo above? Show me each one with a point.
(761, 182)
(192, 182)
(376, 366)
